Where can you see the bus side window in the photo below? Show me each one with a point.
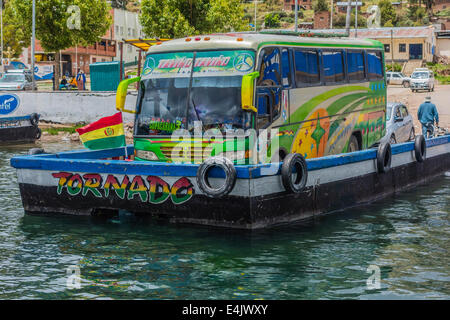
(355, 66)
(269, 87)
(306, 67)
(285, 68)
(270, 68)
(333, 66)
(375, 65)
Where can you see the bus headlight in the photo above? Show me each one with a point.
(147, 155)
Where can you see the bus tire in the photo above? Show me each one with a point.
(34, 119)
(294, 160)
(36, 151)
(230, 176)
(384, 157)
(420, 148)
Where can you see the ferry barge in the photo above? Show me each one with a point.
(242, 131)
(81, 183)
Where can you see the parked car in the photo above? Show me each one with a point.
(421, 69)
(14, 81)
(399, 124)
(422, 80)
(397, 78)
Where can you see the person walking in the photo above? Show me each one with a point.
(427, 116)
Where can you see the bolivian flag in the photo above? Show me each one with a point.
(105, 133)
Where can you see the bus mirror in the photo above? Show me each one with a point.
(247, 90)
(121, 94)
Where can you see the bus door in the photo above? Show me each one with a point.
(269, 88)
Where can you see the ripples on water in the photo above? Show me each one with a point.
(134, 258)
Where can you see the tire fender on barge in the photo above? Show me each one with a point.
(384, 157)
(297, 161)
(420, 148)
(230, 177)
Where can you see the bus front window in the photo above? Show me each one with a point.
(180, 88)
(163, 106)
(216, 102)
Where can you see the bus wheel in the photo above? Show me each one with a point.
(38, 133)
(353, 144)
(230, 177)
(384, 157)
(294, 173)
(420, 148)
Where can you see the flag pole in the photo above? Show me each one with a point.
(125, 135)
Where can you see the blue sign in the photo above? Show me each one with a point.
(8, 103)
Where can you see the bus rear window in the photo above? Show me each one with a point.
(333, 66)
(375, 65)
(355, 66)
(306, 67)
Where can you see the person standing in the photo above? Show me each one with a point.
(81, 80)
(427, 116)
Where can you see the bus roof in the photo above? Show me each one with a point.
(255, 41)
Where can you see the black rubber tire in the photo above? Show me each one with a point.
(34, 119)
(384, 157)
(420, 148)
(38, 133)
(230, 176)
(405, 84)
(294, 160)
(36, 151)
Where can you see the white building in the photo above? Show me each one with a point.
(127, 26)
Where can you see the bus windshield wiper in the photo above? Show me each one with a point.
(196, 112)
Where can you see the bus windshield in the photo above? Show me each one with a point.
(171, 99)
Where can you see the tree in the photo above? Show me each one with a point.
(15, 38)
(387, 12)
(60, 26)
(320, 5)
(272, 20)
(179, 18)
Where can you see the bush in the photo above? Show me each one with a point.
(397, 67)
(272, 21)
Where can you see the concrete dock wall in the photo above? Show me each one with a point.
(69, 106)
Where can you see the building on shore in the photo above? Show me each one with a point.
(289, 5)
(125, 25)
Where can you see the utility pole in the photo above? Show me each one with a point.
(33, 40)
(392, 49)
(296, 15)
(256, 2)
(331, 16)
(347, 20)
(356, 18)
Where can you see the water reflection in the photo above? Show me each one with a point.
(133, 257)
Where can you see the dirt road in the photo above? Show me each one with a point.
(440, 97)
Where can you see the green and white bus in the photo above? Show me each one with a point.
(323, 95)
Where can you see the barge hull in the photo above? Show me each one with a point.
(258, 200)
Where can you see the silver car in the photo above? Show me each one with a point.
(16, 81)
(397, 78)
(399, 124)
(422, 80)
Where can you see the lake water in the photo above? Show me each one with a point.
(404, 237)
